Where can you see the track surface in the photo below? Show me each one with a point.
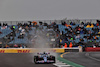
(19, 60)
(90, 59)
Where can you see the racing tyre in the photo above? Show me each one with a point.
(35, 59)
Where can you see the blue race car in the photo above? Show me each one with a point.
(44, 58)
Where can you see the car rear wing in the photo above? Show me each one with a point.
(43, 53)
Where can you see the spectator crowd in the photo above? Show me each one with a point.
(61, 35)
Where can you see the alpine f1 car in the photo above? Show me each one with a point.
(44, 58)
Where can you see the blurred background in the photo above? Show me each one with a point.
(16, 10)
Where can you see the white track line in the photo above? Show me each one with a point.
(87, 54)
(61, 64)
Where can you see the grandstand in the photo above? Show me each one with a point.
(59, 33)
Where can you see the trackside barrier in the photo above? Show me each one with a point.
(34, 50)
(74, 49)
(91, 49)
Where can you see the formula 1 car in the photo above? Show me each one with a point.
(44, 58)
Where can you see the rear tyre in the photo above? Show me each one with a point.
(35, 59)
(54, 59)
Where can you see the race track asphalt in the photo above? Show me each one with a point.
(19, 60)
(87, 59)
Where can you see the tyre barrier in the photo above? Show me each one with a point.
(91, 49)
